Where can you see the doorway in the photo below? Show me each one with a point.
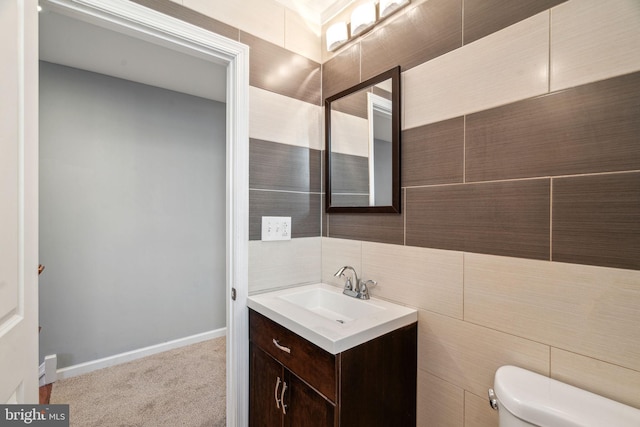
(165, 32)
(132, 198)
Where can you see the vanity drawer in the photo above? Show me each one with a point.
(308, 361)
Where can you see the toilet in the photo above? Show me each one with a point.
(524, 398)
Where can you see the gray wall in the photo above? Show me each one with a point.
(132, 215)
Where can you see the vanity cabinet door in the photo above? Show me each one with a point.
(273, 386)
(306, 407)
(267, 380)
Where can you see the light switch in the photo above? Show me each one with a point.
(276, 228)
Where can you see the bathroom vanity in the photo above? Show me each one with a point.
(348, 377)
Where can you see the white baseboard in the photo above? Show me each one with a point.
(48, 372)
(117, 359)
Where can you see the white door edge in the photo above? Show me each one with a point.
(136, 20)
(19, 204)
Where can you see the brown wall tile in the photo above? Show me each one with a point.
(302, 79)
(350, 200)
(382, 92)
(304, 210)
(382, 228)
(589, 128)
(501, 218)
(433, 154)
(355, 104)
(185, 14)
(275, 166)
(422, 33)
(341, 72)
(350, 174)
(483, 17)
(596, 220)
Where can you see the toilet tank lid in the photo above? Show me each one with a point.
(546, 402)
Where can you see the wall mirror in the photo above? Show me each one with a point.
(362, 157)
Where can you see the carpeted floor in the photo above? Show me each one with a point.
(181, 387)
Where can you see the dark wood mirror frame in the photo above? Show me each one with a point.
(394, 207)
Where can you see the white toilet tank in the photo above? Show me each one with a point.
(525, 399)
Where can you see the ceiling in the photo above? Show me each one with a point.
(74, 43)
(316, 11)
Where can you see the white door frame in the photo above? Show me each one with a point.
(375, 103)
(138, 21)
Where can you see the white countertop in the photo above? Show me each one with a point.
(331, 335)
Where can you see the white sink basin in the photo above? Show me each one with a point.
(335, 322)
(331, 305)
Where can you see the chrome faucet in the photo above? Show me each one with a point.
(364, 288)
(352, 285)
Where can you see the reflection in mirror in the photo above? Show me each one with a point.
(363, 147)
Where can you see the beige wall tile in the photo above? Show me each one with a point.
(594, 311)
(262, 18)
(348, 133)
(279, 118)
(301, 36)
(439, 402)
(605, 379)
(593, 40)
(284, 263)
(430, 279)
(468, 355)
(337, 253)
(477, 412)
(506, 66)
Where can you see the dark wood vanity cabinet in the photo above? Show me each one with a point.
(373, 384)
(279, 398)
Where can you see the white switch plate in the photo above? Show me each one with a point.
(276, 228)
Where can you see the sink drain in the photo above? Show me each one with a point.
(339, 321)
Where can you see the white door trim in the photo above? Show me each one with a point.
(136, 20)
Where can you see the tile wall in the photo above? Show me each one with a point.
(519, 238)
